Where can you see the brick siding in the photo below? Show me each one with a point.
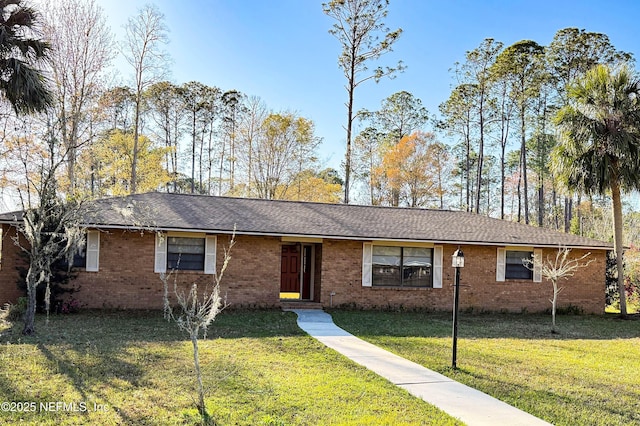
(126, 278)
(11, 259)
(479, 289)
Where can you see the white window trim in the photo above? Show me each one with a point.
(502, 260)
(537, 265)
(367, 262)
(210, 244)
(210, 247)
(437, 266)
(160, 264)
(93, 251)
(501, 263)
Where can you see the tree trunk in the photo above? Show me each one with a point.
(193, 152)
(520, 192)
(541, 205)
(523, 153)
(196, 362)
(617, 241)
(468, 172)
(351, 90)
(502, 182)
(554, 304)
(30, 314)
(554, 202)
(347, 157)
(134, 161)
(232, 153)
(480, 158)
(200, 159)
(568, 213)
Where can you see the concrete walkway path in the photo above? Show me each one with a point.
(467, 404)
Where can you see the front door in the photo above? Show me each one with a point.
(290, 269)
(307, 252)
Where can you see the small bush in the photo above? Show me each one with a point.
(71, 306)
(570, 310)
(15, 312)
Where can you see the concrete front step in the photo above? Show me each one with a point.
(289, 305)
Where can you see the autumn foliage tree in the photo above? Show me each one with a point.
(412, 170)
(109, 165)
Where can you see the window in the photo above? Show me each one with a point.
(80, 256)
(514, 267)
(402, 266)
(87, 255)
(185, 251)
(509, 264)
(186, 254)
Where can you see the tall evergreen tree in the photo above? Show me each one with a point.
(21, 57)
(358, 26)
(600, 147)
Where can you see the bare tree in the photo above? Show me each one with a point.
(232, 110)
(555, 269)
(196, 311)
(285, 142)
(249, 129)
(166, 110)
(50, 225)
(358, 26)
(145, 34)
(81, 50)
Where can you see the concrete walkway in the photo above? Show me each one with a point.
(467, 404)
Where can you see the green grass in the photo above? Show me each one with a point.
(588, 374)
(259, 368)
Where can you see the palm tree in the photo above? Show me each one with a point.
(21, 82)
(599, 151)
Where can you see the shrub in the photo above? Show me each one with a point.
(14, 312)
(71, 306)
(58, 286)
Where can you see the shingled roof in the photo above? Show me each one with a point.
(181, 212)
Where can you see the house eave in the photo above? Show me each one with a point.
(343, 237)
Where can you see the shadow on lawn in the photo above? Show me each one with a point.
(486, 325)
(94, 347)
(550, 403)
(121, 328)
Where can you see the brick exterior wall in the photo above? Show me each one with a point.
(126, 279)
(10, 259)
(479, 289)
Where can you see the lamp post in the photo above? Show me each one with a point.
(457, 262)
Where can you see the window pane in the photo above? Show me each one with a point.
(514, 268)
(80, 256)
(417, 271)
(386, 266)
(185, 245)
(185, 253)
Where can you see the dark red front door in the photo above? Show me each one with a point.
(306, 272)
(289, 270)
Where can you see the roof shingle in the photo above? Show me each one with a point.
(164, 211)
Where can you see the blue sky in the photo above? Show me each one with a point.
(281, 50)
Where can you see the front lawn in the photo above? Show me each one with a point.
(134, 368)
(589, 374)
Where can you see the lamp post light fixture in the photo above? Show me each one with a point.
(457, 262)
